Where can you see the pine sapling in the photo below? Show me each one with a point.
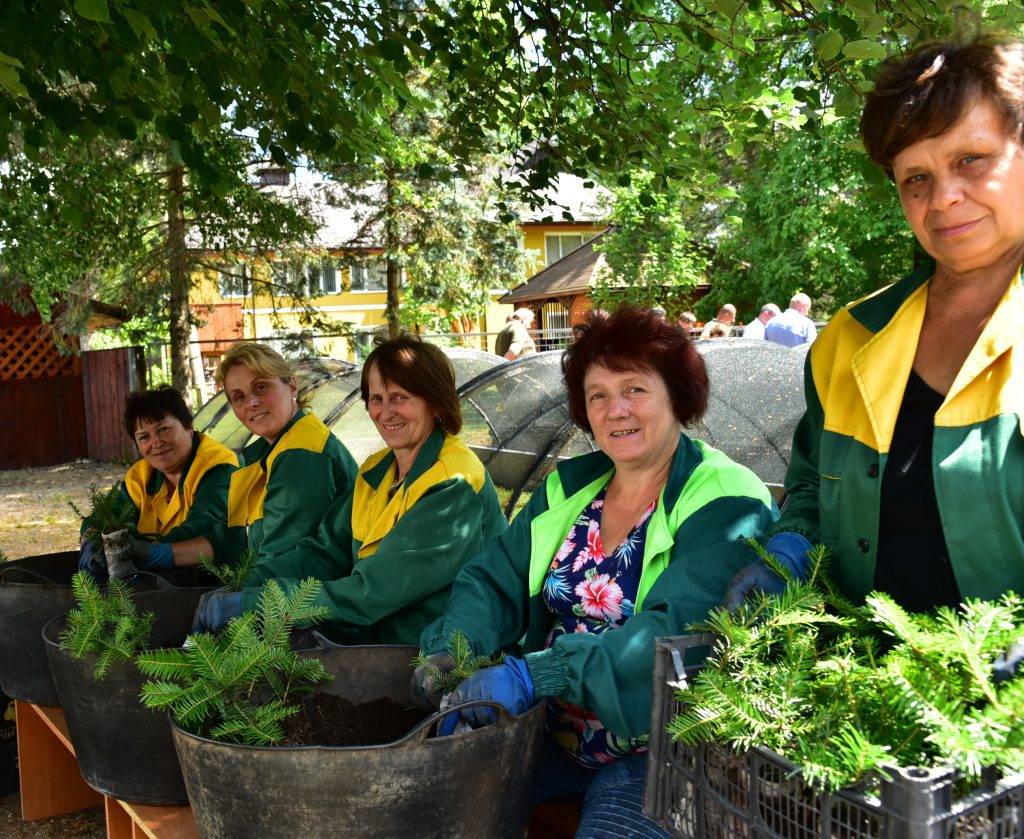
(231, 576)
(109, 512)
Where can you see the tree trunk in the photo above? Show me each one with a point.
(392, 243)
(178, 280)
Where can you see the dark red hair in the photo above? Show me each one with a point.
(637, 338)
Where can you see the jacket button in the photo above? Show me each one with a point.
(873, 470)
(863, 546)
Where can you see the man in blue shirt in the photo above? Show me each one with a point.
(792, 327)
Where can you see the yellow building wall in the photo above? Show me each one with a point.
(534, 245)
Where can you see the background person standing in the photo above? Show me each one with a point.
(514, 340)
(793, 328)
(754, 331)
(722, 321)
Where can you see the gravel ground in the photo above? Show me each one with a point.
(34, 514)
(35, 519)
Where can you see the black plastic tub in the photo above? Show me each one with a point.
(475, 784)
(124, 750)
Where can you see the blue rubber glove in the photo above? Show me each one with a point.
(1005, 667)
(151, 556)
(788, 548)
(92, 560)
(509, 684)
(215, 609)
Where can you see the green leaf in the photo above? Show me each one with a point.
(829, 45)
(864, 49)
(9, 59)
(139, 23)
(95, 10)
(11, 81)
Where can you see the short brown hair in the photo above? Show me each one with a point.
(636, 338)
(154, 405)
(420, 368)
(928, 91)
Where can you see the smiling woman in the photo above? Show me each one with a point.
(294, 470)
(421, 508)
(177, 492)
(908, 461)
(617, 547)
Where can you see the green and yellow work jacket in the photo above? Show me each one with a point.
(694, 547)
(855, 377)
(197, 507)
(281, 493)
(387, 564)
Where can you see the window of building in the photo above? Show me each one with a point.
(322, 278)
(233, 280)
(371, 275)
(554, 326)
(557, 245)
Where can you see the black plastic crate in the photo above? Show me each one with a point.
(711, 792)
(8, 750)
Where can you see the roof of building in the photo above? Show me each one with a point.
(572, 274)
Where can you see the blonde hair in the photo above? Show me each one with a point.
(263, 361)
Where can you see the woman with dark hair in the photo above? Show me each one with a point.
(616, 548)
(421, 508)
(908, 461)
(177, 491)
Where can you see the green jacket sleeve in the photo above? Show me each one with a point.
(210, 507)
(610, 673)
(326, 555)
(420, 555)
(302, 485)
(800, 511)
(490, 598)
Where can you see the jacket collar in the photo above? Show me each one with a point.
(425, 458)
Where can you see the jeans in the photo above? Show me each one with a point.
(612, 795)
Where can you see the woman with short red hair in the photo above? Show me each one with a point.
(617, 547)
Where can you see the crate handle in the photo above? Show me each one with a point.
(677, 663)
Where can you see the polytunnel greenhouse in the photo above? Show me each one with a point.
(516, 415)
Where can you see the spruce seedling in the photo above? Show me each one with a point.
(844, 691)
(108, 512)
(106, 625)
(466, 663)
(237, 686)
(231, 576)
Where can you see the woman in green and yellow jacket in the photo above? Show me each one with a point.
(616, 548)
(292, 473)
(909, 462)
(176, 493)
(387, 554)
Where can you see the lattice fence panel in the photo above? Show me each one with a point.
(28, 352)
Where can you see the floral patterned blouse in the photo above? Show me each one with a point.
(588, 591)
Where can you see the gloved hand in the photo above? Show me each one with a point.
(509, 684)
(92, 560)
(151, 556)
(215, 609)
(1006, 665)
(788, 548)
(422, 687)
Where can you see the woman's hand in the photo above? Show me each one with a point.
(423, 689)
(151, 556)
(215, 609)
(788, 548)
(92, 560)
(509, 684)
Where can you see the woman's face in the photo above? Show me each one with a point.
(165, 444)
(963, 193)
(631, 415)
(403, 419)
(264, 404)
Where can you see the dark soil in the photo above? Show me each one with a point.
(328, 720)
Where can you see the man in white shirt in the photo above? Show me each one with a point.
(793, 328)
(755, 329)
